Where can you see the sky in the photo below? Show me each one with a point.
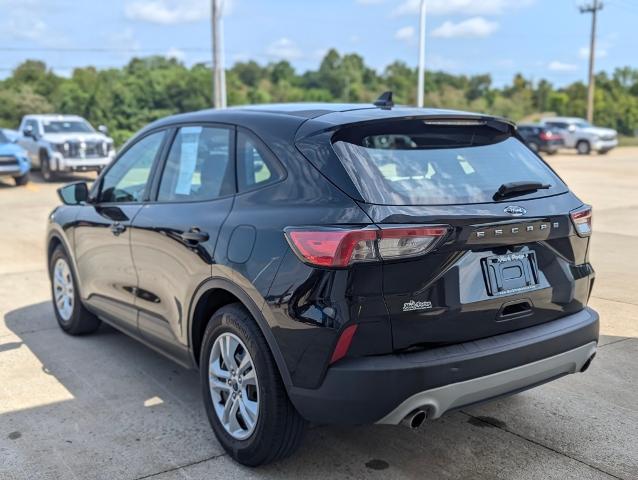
(539, 38)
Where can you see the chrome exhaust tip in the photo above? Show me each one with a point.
(414, 419)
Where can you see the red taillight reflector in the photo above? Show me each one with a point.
(582, 218)
(343, 344)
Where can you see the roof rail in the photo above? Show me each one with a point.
(385, 100)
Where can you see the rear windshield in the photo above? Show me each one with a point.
(420, 162)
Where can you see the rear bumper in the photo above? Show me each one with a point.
(384, 389)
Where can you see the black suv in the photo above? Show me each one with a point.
(328, 263)
(541, 138)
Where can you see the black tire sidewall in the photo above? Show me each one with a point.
(22, 179)
(587, 149)
(236, 320)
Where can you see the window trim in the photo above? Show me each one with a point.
(277, 165)
(159, 170)
(96, 190)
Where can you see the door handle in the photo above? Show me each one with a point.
(117, 228)
(194, 235)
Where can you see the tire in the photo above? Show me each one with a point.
(278, 429)
(22, 180)
(583, 147)
(533, 147)
(45, 168)
(73, 318)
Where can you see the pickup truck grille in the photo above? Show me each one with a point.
(86, 149)
(608, 137)
(8, 161)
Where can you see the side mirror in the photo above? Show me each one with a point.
(103, 129)
(28, 131)
(572, 128)
(75, 193)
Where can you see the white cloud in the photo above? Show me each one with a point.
(284, 48)
(405, 34)
(557, 66)
(462, 7)
(472, 27)
(167, 12)
(583, 52)
(175, 53)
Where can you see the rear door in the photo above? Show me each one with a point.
(507, 262)
(174, 236)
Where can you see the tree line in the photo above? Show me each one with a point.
(125, 99)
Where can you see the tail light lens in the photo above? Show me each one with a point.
(338, 247)
(343, 344)
(582, 218)
(546, 135)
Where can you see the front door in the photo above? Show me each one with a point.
(102, 234)
(173, 237)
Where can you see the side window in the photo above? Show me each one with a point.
(255, 165)
(126, 180)
(34, 126)
(198, 166)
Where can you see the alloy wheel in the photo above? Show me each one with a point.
(233, 386)
(63, 289)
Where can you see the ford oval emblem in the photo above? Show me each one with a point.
(515, 210)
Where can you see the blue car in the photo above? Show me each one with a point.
(14, 161)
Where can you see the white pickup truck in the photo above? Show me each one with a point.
(583, 136)
(64, 143)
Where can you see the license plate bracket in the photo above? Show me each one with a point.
(510, 273)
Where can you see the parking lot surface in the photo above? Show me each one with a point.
(106, 407)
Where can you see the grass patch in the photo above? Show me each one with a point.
(625, 141)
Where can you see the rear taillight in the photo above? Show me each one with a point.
(582, 218)
(340, 247)
(546, 135)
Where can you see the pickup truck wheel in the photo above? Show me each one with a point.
(22, 179)
(244, 396)
(583, 147)
(71, 315)
(45, 168)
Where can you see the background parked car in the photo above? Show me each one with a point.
(541, 138)
(583, 136)
(65, 143)
(14, 161)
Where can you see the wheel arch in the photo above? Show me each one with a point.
(213, 294)
(55, 239)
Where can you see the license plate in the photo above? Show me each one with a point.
(510, 273)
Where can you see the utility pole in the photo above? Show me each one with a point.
(592, 8)
(218, 77)
(421, 82)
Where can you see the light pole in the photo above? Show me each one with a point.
(219, 75)
(421, 83)
(593, 9)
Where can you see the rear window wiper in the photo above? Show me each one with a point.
(519, 188)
